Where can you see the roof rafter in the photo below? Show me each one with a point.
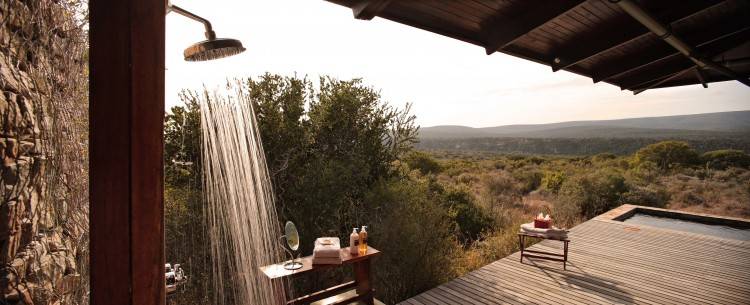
(661, 52)
(654, 83)
(501, 32)
(679, 63)
(620, 33)
(368, 9)
(700, 75)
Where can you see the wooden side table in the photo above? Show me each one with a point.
(362, 277)
(543, 254)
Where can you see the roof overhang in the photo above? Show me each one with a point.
(599, 39)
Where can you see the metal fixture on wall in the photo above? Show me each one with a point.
(211, 48)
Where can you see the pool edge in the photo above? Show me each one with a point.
(627, 210)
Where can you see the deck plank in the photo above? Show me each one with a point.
(611, 262)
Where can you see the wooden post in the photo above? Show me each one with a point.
(362, 277)
(126, 115)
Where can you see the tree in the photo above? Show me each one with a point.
(668, 154)
(725, 158)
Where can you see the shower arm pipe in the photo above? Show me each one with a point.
(210, 35)
(665, 33)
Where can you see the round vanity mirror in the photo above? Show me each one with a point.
(292, 241)
(292, 236)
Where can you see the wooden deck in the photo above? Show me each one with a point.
(611, 263)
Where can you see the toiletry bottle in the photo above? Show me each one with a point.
(354, 242)
(363, 241)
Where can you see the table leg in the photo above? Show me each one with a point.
(362, 277)
(520, 243)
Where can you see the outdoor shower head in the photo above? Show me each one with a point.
(211, 48)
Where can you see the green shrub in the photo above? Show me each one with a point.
(529, 180)
(553, 180)
(646, 195)
(603, 157)
(415, 235)
(725, 158)
(470, 219)
(668, 154)
(423, 162)
(498, 183)
(645, 172)
(593, 194)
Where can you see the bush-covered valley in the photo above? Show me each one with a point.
(341, 157)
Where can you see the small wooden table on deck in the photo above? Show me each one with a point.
(543, 254)
(362, 280)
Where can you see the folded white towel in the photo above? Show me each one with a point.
(553, 232)
(327, 247)
(326, 261)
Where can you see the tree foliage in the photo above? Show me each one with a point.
(725, 158)
(668, 154)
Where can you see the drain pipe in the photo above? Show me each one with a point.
(665, 33)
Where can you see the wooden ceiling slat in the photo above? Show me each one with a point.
(447, 9)
(447, 18)
(501, 32)
(465, 9)
(618, 33)
(428, 22)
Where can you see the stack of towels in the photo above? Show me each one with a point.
(327, 251)
(554, 232)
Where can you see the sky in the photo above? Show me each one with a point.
(449, 82)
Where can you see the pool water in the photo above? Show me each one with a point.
(689, 226)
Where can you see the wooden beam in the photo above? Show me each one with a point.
(620, 33)
(700, 76)
(368, 9)
(665, 79)
(501, 31)
(126, 101)
(679, 63)
(661, 51)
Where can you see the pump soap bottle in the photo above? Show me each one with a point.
(354, 242)
(363, 241)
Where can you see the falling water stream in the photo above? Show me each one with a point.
(241, 217)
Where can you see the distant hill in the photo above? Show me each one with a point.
(728, 124)
(704, 132)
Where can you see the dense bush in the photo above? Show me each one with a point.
(592, 194)
(725, 158)
(529, 179)
(646, 195)
(470, 219)
(422, 161)
(553, 180)
(414, 232)
(668, 154)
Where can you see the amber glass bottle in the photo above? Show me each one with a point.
(363, 241)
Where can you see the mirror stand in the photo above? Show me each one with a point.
(292, 264)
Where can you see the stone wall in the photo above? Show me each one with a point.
(40, 249)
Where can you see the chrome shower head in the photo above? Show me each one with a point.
(211, 48)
